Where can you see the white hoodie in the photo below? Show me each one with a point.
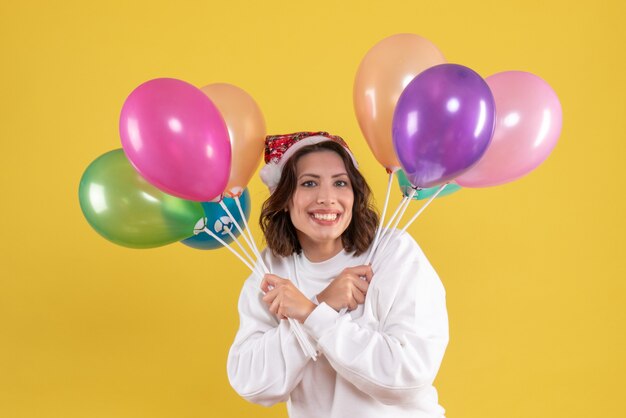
(379, 360)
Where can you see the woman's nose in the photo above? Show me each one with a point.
(325, 195)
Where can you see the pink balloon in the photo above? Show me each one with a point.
(176, 139)
(528, 125)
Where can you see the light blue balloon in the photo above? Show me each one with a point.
(218, 221)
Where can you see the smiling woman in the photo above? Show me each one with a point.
(380, 330)
(319, 180)
(321, 206)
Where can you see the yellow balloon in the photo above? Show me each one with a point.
(383, 74)
(246, 128)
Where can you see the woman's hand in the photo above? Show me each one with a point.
(284, 299)
(347, 290)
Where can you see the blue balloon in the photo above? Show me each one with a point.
(218, 221)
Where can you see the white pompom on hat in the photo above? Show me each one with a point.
(279, 148)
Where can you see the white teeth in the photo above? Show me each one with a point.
(325, 216)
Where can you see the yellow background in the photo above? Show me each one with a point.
(534, 269)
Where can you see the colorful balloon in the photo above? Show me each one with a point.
(218, 221)
(528, 125)
(127, 210)
(176, 138)
(442, 124)
(246, 128)
(383, 74)
(421, 194)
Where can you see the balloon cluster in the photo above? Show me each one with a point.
(175, 178)
(436, 123)
(433, 123)
(175, 175)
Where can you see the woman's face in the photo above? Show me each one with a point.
(321, 205)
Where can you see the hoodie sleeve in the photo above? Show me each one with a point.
(394, 359)
(265, 362)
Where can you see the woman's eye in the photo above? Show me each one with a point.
(341, 183)
(308, 183)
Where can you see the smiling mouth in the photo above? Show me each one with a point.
(328, 217)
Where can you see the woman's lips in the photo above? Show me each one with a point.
(325, 218)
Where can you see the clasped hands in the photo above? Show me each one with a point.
(347, 290)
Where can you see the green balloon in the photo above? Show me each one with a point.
(127, 210)
(405, 187)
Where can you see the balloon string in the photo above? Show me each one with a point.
(250, 258)
(390, 221)
(382, 218)
(250, 242)
(380, 226)
(234, 237)
(232, 218)
(245, 221)
(221, 241)
(387, 228)
(439, 190)
(419, 212)
(388, 233)
(254, 247)
(306, 347)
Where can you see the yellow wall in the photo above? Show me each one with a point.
(534, 269)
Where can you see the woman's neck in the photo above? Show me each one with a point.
(317, 252)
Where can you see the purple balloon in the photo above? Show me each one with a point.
(442, 124)
(176, 139)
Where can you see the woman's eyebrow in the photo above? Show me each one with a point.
(309, 175)
(316, 176)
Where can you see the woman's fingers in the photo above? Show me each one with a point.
(361, 284)
(274, 306)
(271, 281)
(265, 284)
(270, 296)
(369, 274)
(364, 270)
(358, 296)
(284, 300)
(348, 290)
(352, 305)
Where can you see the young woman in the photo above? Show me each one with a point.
(380, 331)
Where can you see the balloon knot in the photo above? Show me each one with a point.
(217, 199)
(234, 192)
